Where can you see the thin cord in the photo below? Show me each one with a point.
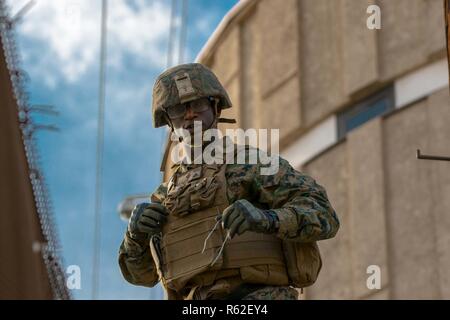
(209, 235)
(183, 31)
(221, 248)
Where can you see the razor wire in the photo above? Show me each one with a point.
(50, 250)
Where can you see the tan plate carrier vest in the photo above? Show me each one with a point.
(194, 199)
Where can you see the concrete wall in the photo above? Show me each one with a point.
(264, 66)
(293, 65)
(309, 58)
(393, 207)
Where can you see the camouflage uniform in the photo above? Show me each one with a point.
(273, 293)
(301, 205)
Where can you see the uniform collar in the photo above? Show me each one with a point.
(184, 159)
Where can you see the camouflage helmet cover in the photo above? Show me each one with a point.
(184, 83)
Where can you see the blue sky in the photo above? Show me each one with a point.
(59, 48)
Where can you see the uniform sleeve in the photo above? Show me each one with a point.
(135, 260)
(136, 263)
(301, 204)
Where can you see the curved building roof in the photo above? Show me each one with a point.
(230, 19)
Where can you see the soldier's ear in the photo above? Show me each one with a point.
(215, 105)
(169, 122)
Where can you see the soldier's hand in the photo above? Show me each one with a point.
(242, 216)
(147, 220)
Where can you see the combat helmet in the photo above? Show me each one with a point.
(184, 83)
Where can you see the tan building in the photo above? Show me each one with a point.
(353, 105)
(30, 265)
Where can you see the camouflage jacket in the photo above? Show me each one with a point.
(301, 204)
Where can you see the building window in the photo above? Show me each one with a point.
(374, 106)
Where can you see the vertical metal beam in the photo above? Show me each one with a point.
(447, 32)
(183, 31)
(173, 7)
(99, 154)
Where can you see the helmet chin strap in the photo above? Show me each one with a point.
(217, 119)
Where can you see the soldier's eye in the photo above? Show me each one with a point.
(177, 111)
(199, 107)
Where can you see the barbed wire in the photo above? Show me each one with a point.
(51, 250)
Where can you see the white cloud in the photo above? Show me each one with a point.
(69, 32)
(65, 46)
(61, 44)
(128, 108)
(141, 31)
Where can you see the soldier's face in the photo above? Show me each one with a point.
(198, 110)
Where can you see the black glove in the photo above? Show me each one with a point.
(242, 216)
(147, 220)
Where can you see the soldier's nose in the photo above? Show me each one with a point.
(189, 113)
